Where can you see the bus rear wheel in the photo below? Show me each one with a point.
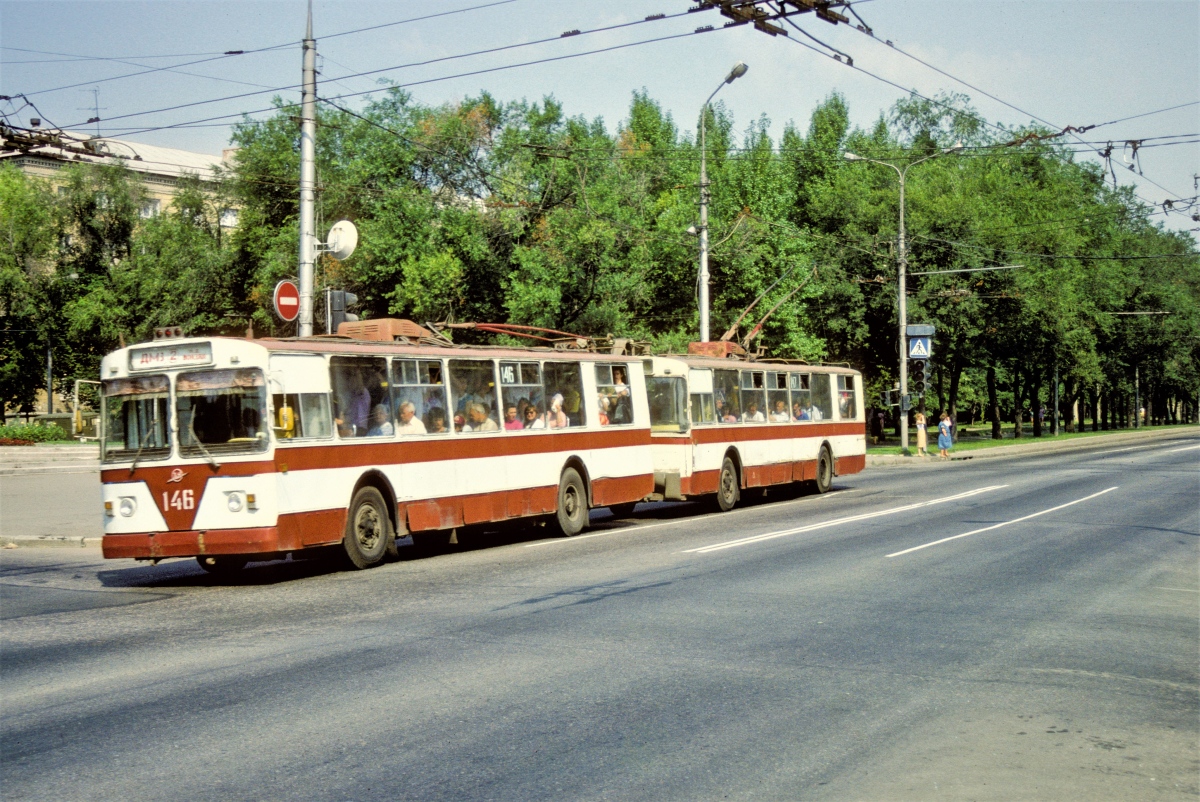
(824, 479)
(222, 565)
(368, 529)
(572, 514)
(728, 491)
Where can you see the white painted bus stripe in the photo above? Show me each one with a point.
(1003, 523)
(688, 520)
(745, 541)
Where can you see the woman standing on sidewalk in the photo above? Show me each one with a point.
(922, 436)
(945, 443)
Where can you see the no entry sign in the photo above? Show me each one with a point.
(287, 300)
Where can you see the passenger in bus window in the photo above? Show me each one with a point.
(478, 420)
(533, 417)
(380, 426)
(814, 413)
(752, 414)
(437, 421)
(409, 422)
(603, 404)
(571, 400)
(555, 417)
(511, 421)
(799, 412)
(780, 413)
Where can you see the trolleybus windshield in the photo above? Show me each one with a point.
(136, 419)
(221, 412)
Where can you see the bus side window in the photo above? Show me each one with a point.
(473, 393)
(361, 402)
(521, 392)
(822, 396)
(563, 382)
(301, 415)
(727, 400)
(614, 404)
(420, 396)
(802, 408)
(847, 402)
(777, 398)
(753, 396)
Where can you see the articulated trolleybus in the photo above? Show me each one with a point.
(231, 450)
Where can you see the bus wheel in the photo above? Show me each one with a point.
(727, 486)
(222, 566)
(368, 529)
(824, 478)
(572, 503)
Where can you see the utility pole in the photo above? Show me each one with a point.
(901, 270)
(1054, 424)
(738, 71)
(308, 179)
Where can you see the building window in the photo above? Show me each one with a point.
(151, 208)
(229, 218)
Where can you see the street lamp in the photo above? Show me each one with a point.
(901, 267)
(738, 71)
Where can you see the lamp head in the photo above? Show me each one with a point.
(955, 148)
(850, 157)
(738, 71)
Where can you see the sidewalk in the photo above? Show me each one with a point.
(1041, 445)
(49, 458)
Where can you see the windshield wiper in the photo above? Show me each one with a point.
(192, 430)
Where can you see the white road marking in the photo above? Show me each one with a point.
(1185, 448)
(1003, 523)
(1181, 590)
(746, 541)
(564, 541)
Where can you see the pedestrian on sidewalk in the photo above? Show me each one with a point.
(922, 436)
(945, 442)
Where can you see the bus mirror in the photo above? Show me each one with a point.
(285, 425)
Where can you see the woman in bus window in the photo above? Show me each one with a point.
(602, 402)
(437, 421)
(511, 421)
(533, 417)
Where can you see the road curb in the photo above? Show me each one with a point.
(997, 452)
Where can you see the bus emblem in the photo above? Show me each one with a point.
(177, 475)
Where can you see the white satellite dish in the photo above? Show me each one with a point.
(343, 239)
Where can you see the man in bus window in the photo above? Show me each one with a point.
(752, 414)
(780, 413)
(380, 426)
(409, 422)
(437, 421)
(478, 420)
(511, 422)
(799, 412)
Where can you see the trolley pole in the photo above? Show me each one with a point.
(308, 179)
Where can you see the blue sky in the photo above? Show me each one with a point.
(1068, 62)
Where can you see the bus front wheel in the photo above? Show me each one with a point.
(727, 486)
(572, 512)
(368, 529)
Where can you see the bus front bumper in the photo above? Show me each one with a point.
(194, 543)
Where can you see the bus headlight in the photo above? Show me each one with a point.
(235, 502)
(128, 506)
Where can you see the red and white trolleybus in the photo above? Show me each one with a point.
(229, 449)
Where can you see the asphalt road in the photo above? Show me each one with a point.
(1001, 629)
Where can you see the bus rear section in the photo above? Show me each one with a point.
(228, 450)
(751, 425)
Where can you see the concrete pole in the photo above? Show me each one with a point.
(704, 325)
(902, 301)
(308, 179)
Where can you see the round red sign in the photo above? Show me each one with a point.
(287, 300)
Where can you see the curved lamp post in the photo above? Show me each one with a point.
(901, 268)
(738, 71)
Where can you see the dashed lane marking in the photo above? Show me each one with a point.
(1002, 523)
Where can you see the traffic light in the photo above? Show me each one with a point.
(339, 301)
(918, 376)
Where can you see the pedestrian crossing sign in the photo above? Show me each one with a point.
(918, 348)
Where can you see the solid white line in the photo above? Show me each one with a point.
(1185, 448)
(565, 540)
(1004, 523)
(745, 541)
(1181, 590)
